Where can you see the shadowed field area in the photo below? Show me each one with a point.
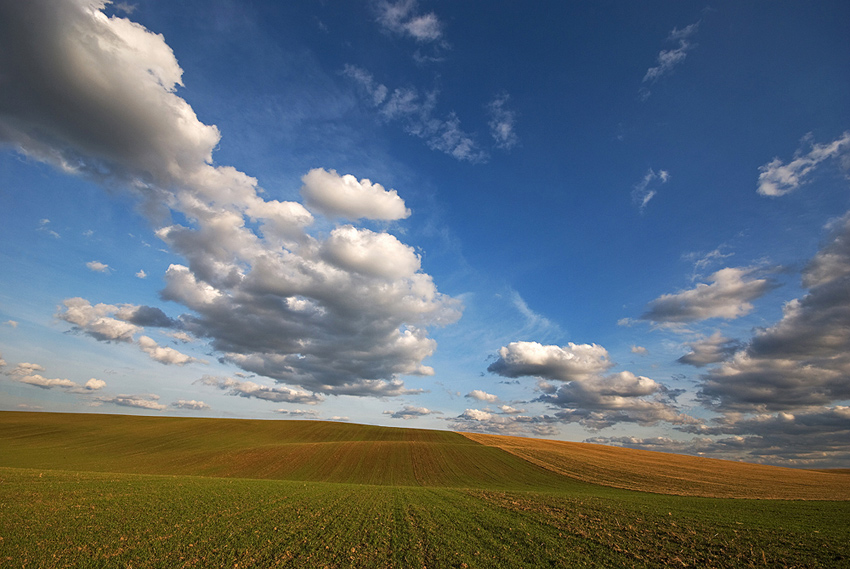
(665, 473)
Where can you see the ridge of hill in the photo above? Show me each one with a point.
(666, 473)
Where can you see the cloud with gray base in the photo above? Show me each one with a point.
(120, 323)
(588, 396)
(811, 437)
(480, 421)
(146, 401)
(28, 373)
(714, 349)
(480, 395)
(250, 389)
(411, 412)
(728, 296)
(802, 360)
(345, 312)
(190, 404)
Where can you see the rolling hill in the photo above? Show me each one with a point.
(323, 451)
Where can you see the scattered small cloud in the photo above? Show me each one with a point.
(28, 373)
(141, 274)
(97, 267)
(11, 323)
(410, 412)
(146, 401)
(95, 384)
(298, 412)
(190, 404)
(44, 226)
(250, 389)
(639, 350)
(165, 355)
(482, 396)
(478, 421)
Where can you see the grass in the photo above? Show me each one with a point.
(96, 503)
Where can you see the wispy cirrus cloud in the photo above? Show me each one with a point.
(647, 188)
(776, 178)
(669, 59)
(403, 18)
(417, 114)
(502, 122)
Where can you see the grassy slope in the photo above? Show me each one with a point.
(648, 471)
(283, 450)
(88, 519)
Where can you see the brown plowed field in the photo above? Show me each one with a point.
(664, 473)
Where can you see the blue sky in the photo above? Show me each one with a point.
(617, 222)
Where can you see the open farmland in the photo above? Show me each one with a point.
(96, 491)
(664, 473)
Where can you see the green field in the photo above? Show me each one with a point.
(112, 491)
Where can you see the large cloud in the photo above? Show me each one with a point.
(96, 96)
(728, 296)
